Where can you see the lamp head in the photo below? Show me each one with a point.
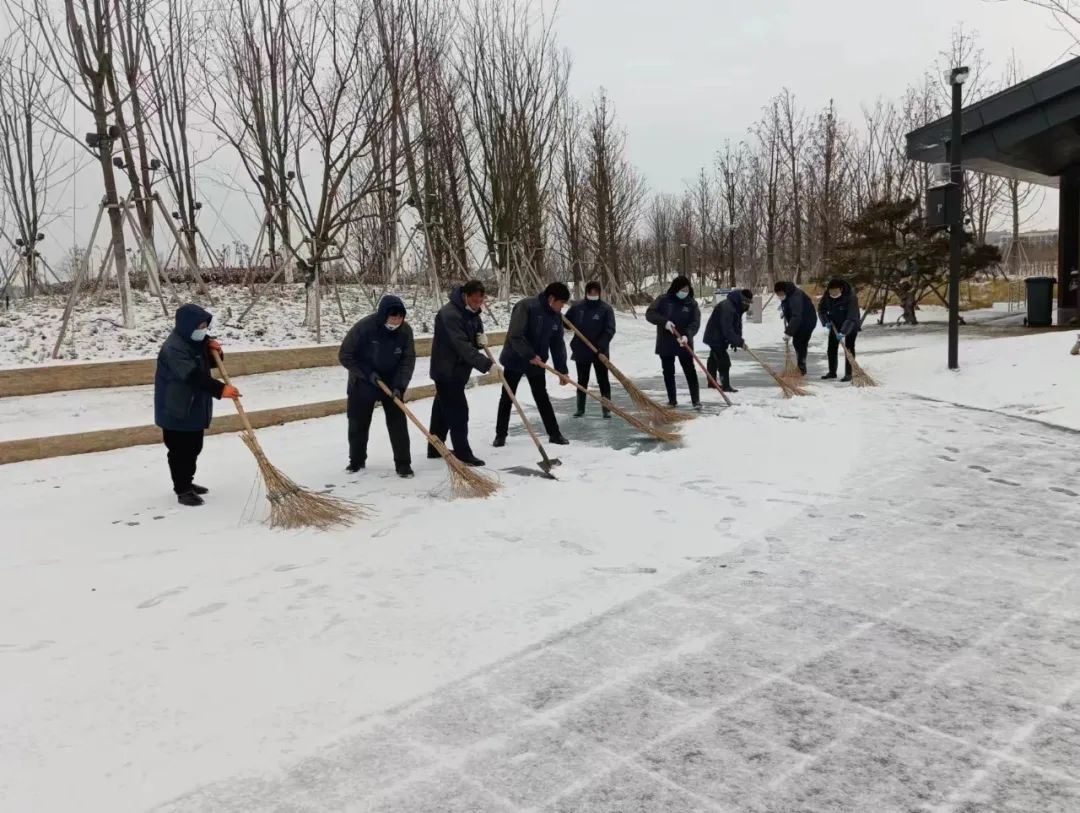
(957, 76)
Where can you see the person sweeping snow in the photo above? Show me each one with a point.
(379, 348)
(724, 330)
(535, 331)
(455, 353)
(594, 319)
(800, 319)
(840, 315)
(677, 318)
(183, 397)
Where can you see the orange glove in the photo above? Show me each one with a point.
(230, 392)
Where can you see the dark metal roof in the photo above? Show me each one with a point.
(1030, 132)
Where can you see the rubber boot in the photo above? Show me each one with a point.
(580, 405)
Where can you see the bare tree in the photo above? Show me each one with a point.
(569, 205)
(792, 136)
(731, 165)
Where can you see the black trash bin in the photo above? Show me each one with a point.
(1040, 301)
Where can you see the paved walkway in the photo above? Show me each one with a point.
(913, 645)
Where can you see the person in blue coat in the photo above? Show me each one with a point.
(595, 320)
(379, 348)
(183, 397)
(840, 315)
(456, 350)
(724, 330)
(800, 318)
(677, 318)
(535, 333)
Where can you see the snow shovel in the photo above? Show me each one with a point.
(704, 369)
(546, 464)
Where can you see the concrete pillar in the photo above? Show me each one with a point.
(1068, 247)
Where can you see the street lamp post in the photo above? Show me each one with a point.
(956, 79)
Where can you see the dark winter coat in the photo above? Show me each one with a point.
(724, 328)
(683, 313)
(369, 347)
(454, 349)
(183, 387)
(798, 311)
(842, 313)
(534, 330)
(596, 322)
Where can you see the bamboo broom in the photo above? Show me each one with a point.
(787, 387)
(654, 411)
(791, 365)
(859, 376)
(708, 376)
(465, 481)
(660, 434)
(546, 463)
(291, 506)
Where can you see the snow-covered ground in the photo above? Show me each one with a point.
(28, 331)
(857, 601)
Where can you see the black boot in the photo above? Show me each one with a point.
(405, 471)
(354, 467)
(580, 405)
(189, 498)
(499, 442)
(725, 385)
(469, 459)
(559, 440)
(828, 376)
(847, 377)
(605, 412)
(200, 490)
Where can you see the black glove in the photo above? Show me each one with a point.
(398, 394)
(485, 365)
(373, 379)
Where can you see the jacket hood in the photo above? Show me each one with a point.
(789, 288)
(736, 299)
(845, 287)
(456, 297)
(678, 284)
(188, 319)
(388, 303)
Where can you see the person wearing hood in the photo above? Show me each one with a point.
(724, 330)
(840, 315)
(183, 397)
(534, 333)
(379, 348)
(595, 320)
(455, 353)
(797, 309)
(677, 319)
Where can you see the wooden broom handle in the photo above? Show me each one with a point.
(580, 388)
(216, 356)
(704, 369)
(409, 414)
(579, 334)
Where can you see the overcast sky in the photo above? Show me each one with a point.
(686, 74)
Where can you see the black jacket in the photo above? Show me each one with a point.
(596, 322)
(454, 350)
(683, 313)
(370, 348)
(183, 386)
(535, 330)
(798, 311)
(724, 328)
(842, 313)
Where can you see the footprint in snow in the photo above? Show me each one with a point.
(983, 469)
(1004, 482)
(1064, 491)
(160, 597)
(209, 608)
(286, 568)
(946, 458)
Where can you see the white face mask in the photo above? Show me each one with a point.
(781, 297)
(593, 297)
(392, 326)
(683, 294)
(836, 295)
(470, 310)
(199, 335)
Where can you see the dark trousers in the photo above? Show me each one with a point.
(450, 415)
(538, 384)
(602, 380)
(801, 343)
(184, 449)
(667, 363)
(360, 412)
(834, 351)
(719, 366)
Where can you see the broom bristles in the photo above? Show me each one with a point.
(292, 506)
(654, 411)
(465, 481)
(788, 388)
(791, 373)
(859, 376)
(666, 435)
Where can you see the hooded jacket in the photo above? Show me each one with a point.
(183, 387)
(724, 328)
(683, 313)
(534, 330)
(596, 322)
(369, 347)
(843, 312)
(798, 311)
(454, 350)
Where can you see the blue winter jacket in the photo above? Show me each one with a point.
(800, 318)
(596, 322)
(843, 312)
(369, 347)
(455, 352)
(683, 313)
(534, 330)
(183, 387)
(724, 328)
